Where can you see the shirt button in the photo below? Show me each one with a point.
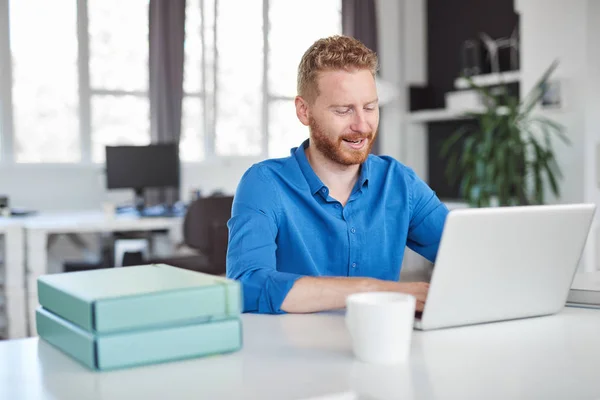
(353, 230)
(337, 206)
(324, 190)
(353, 265)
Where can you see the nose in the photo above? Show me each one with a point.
(359, 123)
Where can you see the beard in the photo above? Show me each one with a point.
(333, 147)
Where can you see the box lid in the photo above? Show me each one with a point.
(118, 299)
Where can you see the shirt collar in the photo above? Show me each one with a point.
(314, 182)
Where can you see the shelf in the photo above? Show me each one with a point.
(442, 114)
(489, 79)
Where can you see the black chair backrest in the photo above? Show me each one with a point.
(204, 218)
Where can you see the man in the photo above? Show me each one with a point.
(330, 220)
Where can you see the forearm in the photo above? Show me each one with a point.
(313, 294)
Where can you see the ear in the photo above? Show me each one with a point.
(302, 110)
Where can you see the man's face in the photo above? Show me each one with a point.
(344, 117)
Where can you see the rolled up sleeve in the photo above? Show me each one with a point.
(252, 247)
(428, 216)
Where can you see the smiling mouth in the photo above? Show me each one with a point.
(353, 141)
(356, 144)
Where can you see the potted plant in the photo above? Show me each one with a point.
(505, 156)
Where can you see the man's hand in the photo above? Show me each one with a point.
(417, 289)
(313, 294)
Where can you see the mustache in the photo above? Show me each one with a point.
(357, 136)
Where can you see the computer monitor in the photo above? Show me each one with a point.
(141, 167)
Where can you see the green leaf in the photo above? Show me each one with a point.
(552, 179)
(451, 141)
(536, 93)
(555, 168)
(557, 128)
(453, 170)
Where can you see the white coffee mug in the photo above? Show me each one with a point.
(380, 325)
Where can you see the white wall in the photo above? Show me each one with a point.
(568, 31)
(592, 129)
(556, 29)
(414, 37)
(390, 62)
(402, 57)
(82, 187)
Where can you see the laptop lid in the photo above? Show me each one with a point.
(504, 263)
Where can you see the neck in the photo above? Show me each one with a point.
(340, 179)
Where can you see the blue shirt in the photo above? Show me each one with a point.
(284, 225)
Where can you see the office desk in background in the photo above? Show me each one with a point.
(304, 356)
(12, 276)
(39, 229)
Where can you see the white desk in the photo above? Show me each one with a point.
(12, 277)
(303, 356)
(40, 228)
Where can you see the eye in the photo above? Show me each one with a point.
(342, 111)
(371, 107)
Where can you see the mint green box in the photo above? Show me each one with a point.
(140, 297)
(139, 347)
(123, 317)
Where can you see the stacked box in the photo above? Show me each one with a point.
(123, 317)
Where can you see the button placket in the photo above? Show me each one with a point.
(353, 242)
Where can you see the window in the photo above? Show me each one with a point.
(225, 85)
(79, 78)
(118, 74)
(244, 114)
(79, 74)
(44, 71)
(198, 58)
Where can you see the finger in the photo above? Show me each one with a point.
(420, 305)
(421, 296)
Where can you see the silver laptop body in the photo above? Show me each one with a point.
(504, 263)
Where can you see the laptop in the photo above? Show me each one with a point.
(504, 263)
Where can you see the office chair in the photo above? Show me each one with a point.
(205, 235)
